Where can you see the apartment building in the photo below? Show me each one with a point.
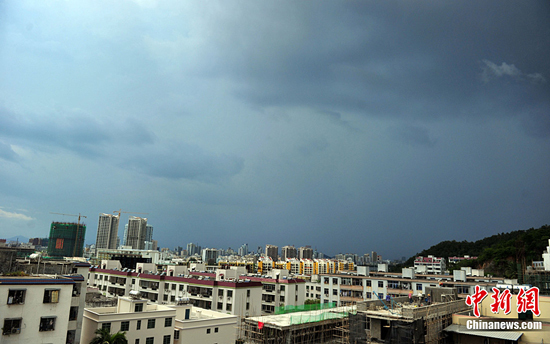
(107, 231)
(43, 308)
(305, 266)
(224, 291)
(279, 289)
(313, 290)
(430, 265)
(348, 288)
(146, 323)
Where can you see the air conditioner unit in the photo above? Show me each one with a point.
(15, 330)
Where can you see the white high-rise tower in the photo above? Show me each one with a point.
(107, 231)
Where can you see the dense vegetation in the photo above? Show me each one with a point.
(498, 254)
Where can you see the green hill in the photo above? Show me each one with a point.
(498, 254)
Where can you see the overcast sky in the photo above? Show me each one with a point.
(348, 126)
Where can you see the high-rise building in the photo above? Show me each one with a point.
(136, 233)
(193, 249)
(107, 231)
(243, 250)
(272, 251)
(373, 257)
(66, 239)
(209, 254)
(306, 252)
(288, 252)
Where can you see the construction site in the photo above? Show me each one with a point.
(400, 320)
(321, 325)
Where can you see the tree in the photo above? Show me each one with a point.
(105, 337)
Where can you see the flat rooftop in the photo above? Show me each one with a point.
(289, 319)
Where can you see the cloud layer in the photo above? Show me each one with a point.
(336, 125)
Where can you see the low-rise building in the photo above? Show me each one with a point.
(430, 265)
(224, 291)
(348, 288)
(42, 308)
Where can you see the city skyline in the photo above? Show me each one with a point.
(346, 126)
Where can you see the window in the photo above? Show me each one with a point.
(124, 326)
(73, 313)
(11, 326)
(220, 292)
(176, 334)
(106, 326)
(138, 325)
(151, 323)
(16, 297)
(247, 305)
(281, 299)
(220, 305)
(418, 286)
(334, 292)
(76, 289)
(137, 341)
(282, 288)
(248, 293)
(229, 293)
(207, 331)
(215, 330)
(335, 281)
(368, 283)
(173, 286)
(47, 324)
(150, 340)
(381, 296)
(138, 307)
(133, 281)
(166, 339)
(228, 307)
(187, 312)
(369, 296)
(181, 287)
(165, 297)
(51, 296)
(167, 322)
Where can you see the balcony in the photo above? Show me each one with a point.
(351, 299)
(351, 287)
(398, 291)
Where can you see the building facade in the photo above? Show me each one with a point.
(136, 233)
(107, 231)
(42, 308)
(66, 239)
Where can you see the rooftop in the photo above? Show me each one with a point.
(289, 319)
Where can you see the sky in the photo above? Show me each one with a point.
(351, 126)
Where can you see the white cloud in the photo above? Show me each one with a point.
(492, 70)
(18, 216)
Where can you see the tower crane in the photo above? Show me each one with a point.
(77, 228)
(126, 212)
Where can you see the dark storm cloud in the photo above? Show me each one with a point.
(281, 121)
(73, 131)
(415, 60)
(178, 160)
(412, 135)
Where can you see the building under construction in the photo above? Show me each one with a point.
(66, 239)
(307, 327)
(401, 320)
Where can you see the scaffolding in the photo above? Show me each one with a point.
(66, 239)
(310, 327)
